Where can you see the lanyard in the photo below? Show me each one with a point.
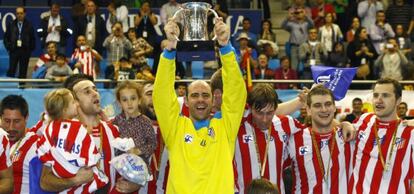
(15, 150)
(318, 152)
(262, 166)
(385, 162)
(20, 26)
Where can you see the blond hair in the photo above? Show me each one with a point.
(56, 102)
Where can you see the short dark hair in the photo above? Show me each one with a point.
(319, 90)
(262, 95)
(14, 102)
(216, 81)
(356, 99)
(404, 103)
(397, 86)
(247, 19)
(74, 79)
(60, 55)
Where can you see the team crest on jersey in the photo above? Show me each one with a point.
(188, 138)
(303, 150)
(381, 139)
(361, 135)
(247, 138)
(211, 132)
(400, 143)
(324, 143)
(15, 156)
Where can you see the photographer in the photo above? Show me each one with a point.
(84, 58)
(117, 46)
(392, 61)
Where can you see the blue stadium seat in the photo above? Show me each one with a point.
(197, 69)
(274, 64)
(150, 62)
(102, 67)
(4, 65)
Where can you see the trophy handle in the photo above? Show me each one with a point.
(180, 9)
(216, 16)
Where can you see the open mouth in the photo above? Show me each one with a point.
(96, 101)
(379, 107)
(324, 116)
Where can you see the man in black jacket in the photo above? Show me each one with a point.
(92, 26)
(54, 28)
(19, 41)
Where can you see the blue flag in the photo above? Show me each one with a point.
(335, 79)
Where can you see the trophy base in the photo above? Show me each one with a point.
(196, 51)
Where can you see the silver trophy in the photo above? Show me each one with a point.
(195, 44)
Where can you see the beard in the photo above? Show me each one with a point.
(147, 112)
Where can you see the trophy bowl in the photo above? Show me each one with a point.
(195, 44)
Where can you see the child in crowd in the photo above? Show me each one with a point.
(60, 70)
(132, 123)
(124, 70)
(66, 147)
(261, 186)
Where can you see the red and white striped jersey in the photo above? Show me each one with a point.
(66, 146)
(5, 161)
(87, 60)
(369, 175)
(251, 144)
(22, 152)
(306, 170)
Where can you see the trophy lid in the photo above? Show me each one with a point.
(191, 5)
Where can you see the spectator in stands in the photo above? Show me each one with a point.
(303, 116)
(84, 58)
(221, 9)
(399, 12)
(312, 52)
(246, 30)
(380, 32)
(330, 33)
(356, 110)
(45, 61)
(117, 46)
(341, 16)
(60, 70)
(54, 28)
(402, 110)
(270, 49)
(245, 52)
(117, 13)
(285, 72)
(299, 5)
(319, 12)
(140, 51)
(19, 40)
(123, 70)
(338, 57)
(145, 21)
(391, 61)
(168, 9)
(362, 54)
(266, 32)
(354, 27)
(92, 26)
(297, 24)
(404, 42)
(267, 37)
(262, 71)
(367, 11)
